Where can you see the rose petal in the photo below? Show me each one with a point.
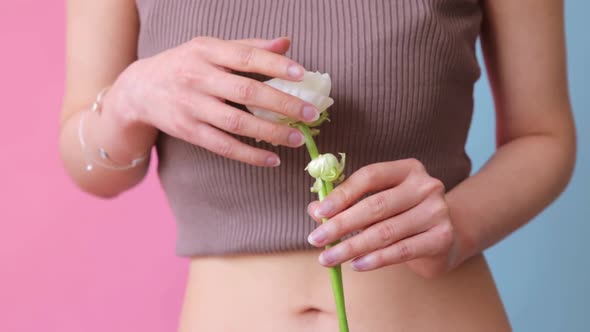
(314, 89)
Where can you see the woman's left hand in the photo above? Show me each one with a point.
(406, 219)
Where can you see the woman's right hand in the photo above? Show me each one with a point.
(182, 92)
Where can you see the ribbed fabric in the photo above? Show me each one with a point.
(402, 72)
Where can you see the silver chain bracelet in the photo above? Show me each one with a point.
(105, 160)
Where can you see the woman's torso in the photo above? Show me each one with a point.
(402, 82)
(403, 73)
(291, 292)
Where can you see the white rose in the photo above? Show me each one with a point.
(314, 88)
(327, 167)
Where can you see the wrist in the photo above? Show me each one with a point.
(466, 244)
(118, 131)
(123, 108)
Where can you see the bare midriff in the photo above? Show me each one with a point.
(291, 292)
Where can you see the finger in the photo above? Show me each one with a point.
(372, 178)
(425, 244)
(370, 210)
(246, 91)
(377, 236)
(310, 208)
(243, 123)
(278, 45)
(245, 58)
(223, 144)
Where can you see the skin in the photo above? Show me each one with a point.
(422, 244)
(195, 73)
(411, 219)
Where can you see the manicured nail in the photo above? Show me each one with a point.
(317, 237)
(324, 209)
(273, 161)
(295, 71)
(362, 263)
(310, 113)
(296, 138)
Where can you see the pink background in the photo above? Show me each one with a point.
(70, 262)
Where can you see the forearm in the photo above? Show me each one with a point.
(524, 51)
(122, 140)
(521, 178)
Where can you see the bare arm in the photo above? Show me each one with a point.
(524, 49)
(101, 42)
(180, 91)
(411, 219)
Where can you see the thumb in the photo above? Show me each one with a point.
(278, 45)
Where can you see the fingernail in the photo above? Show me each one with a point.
(331, 256)
(294, 71)
(362, 263)
(296, 138)
(310, 114)
(279, 38)
(273, 161)
(317, 237)
(324, 209)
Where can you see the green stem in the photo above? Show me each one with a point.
(335, 271)
(309, 142)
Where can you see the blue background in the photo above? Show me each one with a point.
(543, 270)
